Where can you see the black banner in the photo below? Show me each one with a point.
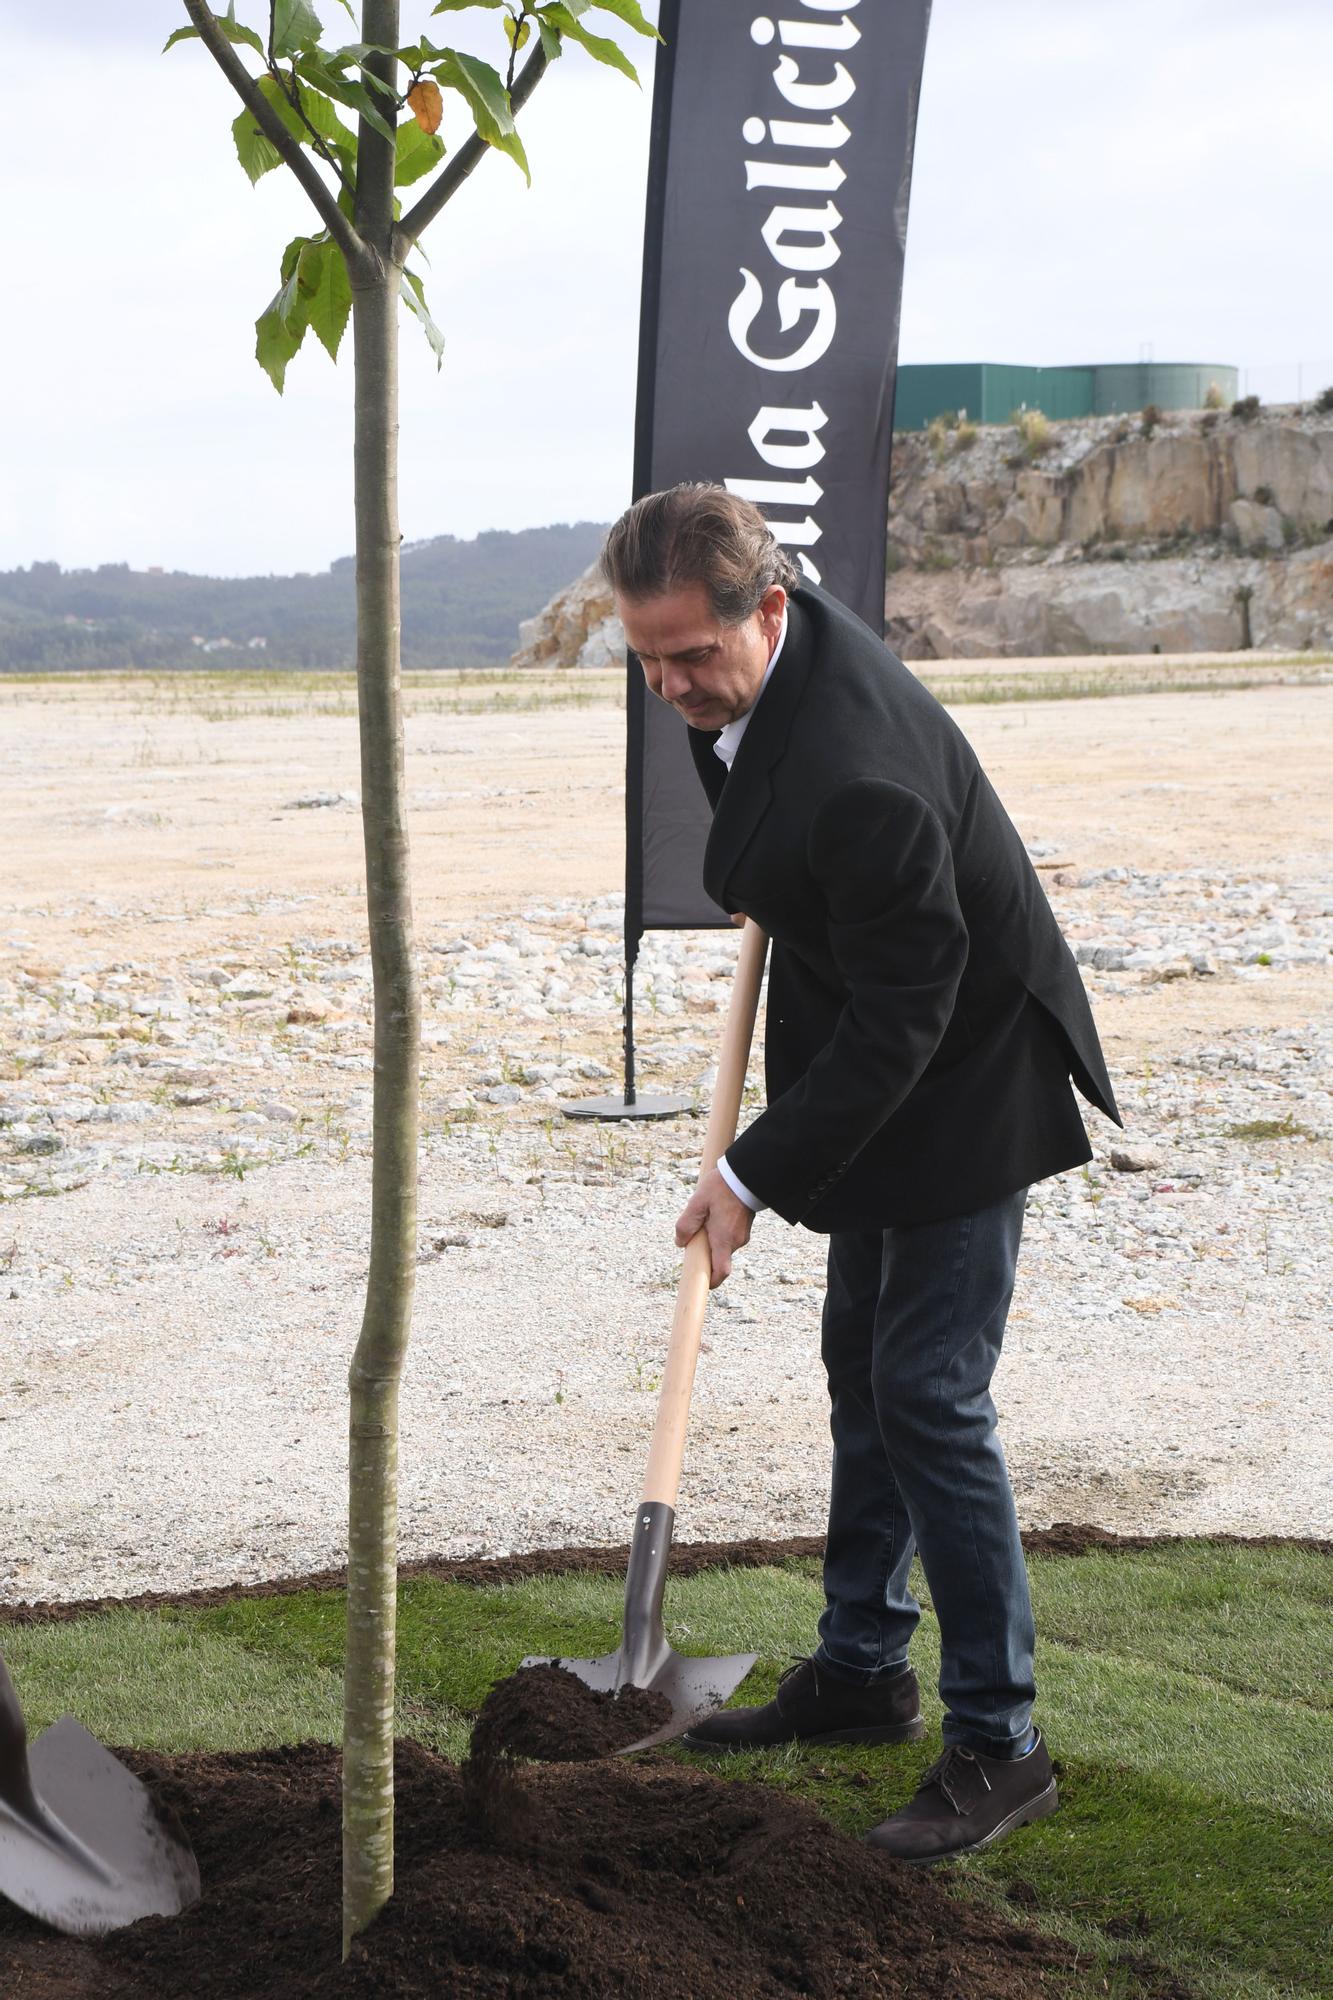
(778, 181)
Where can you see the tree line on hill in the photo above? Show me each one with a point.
(462, 603)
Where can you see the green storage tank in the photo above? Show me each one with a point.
(990, 391)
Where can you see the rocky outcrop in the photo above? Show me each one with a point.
(1197, 532)
(1187, 604)
(977, 496)
(578, 628)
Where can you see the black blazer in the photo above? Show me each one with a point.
(925, 1014)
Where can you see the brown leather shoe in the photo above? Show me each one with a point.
(967, 1800)
(813, 1706)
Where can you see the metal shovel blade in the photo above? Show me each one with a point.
(82, 1846)
(645, 1657)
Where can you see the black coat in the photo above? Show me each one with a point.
(925, 1014)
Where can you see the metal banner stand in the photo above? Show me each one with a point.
(631, 1105)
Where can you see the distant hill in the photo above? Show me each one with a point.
(462, 602)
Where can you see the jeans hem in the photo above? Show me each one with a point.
(841, 1670)
(1003, 1749)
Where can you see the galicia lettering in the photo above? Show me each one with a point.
(799, 234)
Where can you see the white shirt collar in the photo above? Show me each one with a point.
(729, 741)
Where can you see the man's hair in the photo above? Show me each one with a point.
(697, 533)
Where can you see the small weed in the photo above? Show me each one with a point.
(1287, 1127)
(1034, 432)
(1214, 398)
(1323, 402)
(642, 1381)
(1150, 416)
(232, 1164)
(934, 557)
(1245, 409)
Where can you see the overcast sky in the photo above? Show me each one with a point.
(1096, 180)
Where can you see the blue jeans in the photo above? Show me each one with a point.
(913, 1321)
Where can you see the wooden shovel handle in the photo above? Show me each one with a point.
(661, 1481)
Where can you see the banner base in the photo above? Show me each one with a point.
(619, 1107)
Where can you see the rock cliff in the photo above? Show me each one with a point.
(1198, 531)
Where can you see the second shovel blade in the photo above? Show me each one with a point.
(123, 1862)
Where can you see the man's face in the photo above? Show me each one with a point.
(709, 672)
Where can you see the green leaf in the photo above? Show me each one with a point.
(414, 297)
(516, 32)
(487, 99)
(326, 291)
(598, 46)
(457, 6)
(338, 137)
(295, 27)
(356, 52)
(628, 11)
(354, 95)
(280, 329)
(234, 30)
(417, 152)
(256, 154)
(291, 257)
(551, 41)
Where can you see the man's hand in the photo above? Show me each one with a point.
(715, 1208)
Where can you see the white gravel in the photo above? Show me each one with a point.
(178, 1311)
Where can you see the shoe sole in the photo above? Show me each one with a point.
(1041, 1807)
(897, 1732)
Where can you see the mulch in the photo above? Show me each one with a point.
(1064, 1538)
(643, 1880)
(544, 1712)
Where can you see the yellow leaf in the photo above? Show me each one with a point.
(426, 104)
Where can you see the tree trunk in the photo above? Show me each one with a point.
(372, 1573)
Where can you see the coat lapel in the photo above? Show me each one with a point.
(748, 791)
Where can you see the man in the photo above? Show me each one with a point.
(925, 1017)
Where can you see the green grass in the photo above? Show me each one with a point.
(1186, 1692)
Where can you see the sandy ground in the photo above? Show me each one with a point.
(150, 815)
(155, 825)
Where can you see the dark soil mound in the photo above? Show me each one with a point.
(547, 1713)
(642, 1880)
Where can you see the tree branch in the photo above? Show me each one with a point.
(266, 118)
(513, 50)
(291, 90)
(448, 181)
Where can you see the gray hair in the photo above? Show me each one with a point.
(697, 533)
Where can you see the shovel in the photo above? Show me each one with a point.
(81, 1843)
(646, 1659)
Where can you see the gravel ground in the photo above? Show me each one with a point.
(184, 1177)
